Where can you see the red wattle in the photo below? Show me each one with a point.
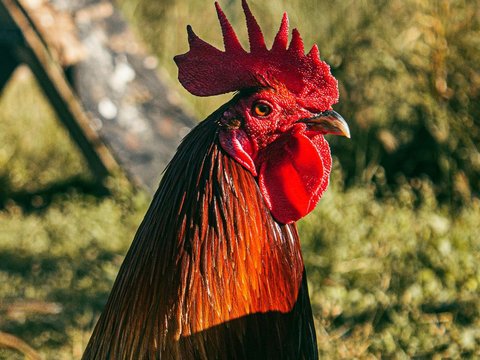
(293, 175)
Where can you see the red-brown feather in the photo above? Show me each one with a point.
(210, 274)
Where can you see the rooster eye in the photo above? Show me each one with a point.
(261, 109)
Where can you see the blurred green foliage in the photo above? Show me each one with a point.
(390, 279)
(61, 239)
(392, 250)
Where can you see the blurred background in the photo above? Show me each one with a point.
(392, 250)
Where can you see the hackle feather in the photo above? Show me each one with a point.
(210, 274)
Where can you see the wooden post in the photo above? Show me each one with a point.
(30, 49)
(114, 101)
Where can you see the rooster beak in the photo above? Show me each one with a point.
(329, 122)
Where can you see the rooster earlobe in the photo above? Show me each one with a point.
(237, 144)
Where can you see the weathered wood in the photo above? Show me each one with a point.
(140, 118)
(51, 79)
(114, 95)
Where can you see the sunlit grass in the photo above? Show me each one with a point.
(29, 162)
(59, 251)
(390, 279)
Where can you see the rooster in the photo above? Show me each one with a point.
(215, 270)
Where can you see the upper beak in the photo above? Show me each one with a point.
(329, 122)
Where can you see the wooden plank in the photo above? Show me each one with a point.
(51, 79)
(141, 118)
(114, 96)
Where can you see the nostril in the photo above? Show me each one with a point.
(234, 123)
(229, 120)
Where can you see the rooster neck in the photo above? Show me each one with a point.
(230, 257)
(207, 252)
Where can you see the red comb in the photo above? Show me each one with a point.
(204, 70)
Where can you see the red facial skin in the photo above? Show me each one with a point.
(291, 162)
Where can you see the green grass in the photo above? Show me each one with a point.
(392, 256)
(390, 279)
(61, 241)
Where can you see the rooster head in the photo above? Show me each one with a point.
(276, 124)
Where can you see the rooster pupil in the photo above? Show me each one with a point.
(261, 109)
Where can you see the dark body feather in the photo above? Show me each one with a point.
(210, 274)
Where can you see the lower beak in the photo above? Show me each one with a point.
(329, 122)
